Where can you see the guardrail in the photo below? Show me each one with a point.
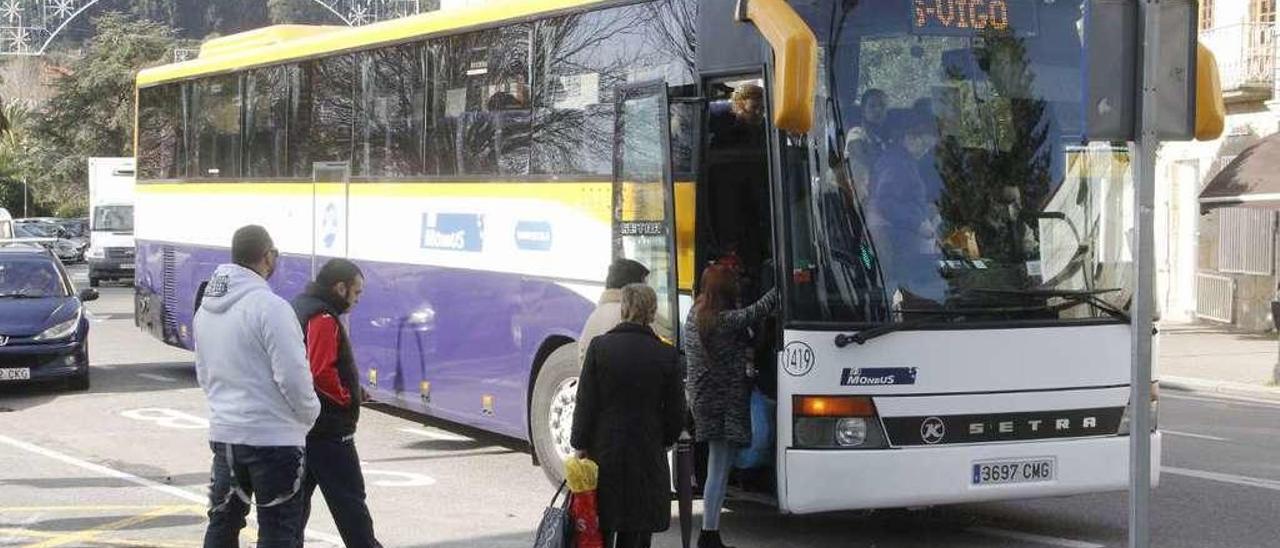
(1246, 55)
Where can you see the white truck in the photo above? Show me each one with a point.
(111, 248)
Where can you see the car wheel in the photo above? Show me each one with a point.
(80, 382)
(554, 394)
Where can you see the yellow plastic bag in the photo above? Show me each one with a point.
(582, 474)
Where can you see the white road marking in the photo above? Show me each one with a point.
(130, 478)
(398, 479)
(156, 377)
(1028, 537)
(1190, 435)
(1220, 477)
(435, 435)
(168, 418)
(1224, 398)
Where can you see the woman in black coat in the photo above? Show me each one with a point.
(629, 411)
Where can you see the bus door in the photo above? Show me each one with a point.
(644, 194)
(330, 190)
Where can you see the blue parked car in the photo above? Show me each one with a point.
(44, 334)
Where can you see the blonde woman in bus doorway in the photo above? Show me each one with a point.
(721, 367)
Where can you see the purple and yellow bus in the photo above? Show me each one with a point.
(914, 176)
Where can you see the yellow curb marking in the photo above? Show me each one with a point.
(104, 508)
(28, 533)
(90, 534)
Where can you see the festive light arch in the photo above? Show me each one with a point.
(27, 27)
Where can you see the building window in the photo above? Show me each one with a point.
(1206, 14)
(1246, 241)
(1264, 11)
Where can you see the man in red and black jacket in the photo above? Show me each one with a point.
(332, 461)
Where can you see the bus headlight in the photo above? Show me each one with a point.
(851, 432)
(1153, 409)
(836, 422)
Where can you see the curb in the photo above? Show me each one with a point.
(1223, 388)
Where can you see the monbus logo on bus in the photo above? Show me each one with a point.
(874, 376)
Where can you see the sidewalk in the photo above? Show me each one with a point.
(1210, 357)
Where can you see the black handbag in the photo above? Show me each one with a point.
(556, 529)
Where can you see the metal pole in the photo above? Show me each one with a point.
(24, 198)
(1143, 298)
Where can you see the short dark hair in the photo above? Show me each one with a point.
(249, 245)
(337, 270)
(624, 272)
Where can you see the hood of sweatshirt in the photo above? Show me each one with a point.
(228, 285)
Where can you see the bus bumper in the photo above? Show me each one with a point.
(824, 481)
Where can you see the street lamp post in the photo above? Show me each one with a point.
(24, 198)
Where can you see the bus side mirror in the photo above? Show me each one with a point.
(795, 54)
(1113, 43)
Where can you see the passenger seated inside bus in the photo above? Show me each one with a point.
(734, 228)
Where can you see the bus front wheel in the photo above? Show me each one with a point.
(554, 394)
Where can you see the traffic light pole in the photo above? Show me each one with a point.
(1143, 308)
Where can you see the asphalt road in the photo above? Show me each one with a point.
(125, 464)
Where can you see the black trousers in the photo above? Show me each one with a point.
(627, 540)
(334, 466)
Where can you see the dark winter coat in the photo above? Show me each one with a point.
(719, 388)
(629, 410)
(333, 365)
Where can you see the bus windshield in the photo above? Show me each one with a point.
(945, 178)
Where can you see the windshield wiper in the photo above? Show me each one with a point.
(1077, 296)
(861, 337)
(20, 295)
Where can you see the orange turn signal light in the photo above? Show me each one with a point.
(834, 406)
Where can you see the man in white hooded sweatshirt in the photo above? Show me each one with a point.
(252, 364)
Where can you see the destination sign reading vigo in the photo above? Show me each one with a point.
(969, 17)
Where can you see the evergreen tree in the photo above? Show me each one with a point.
(996, 171)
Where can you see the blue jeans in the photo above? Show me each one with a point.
(272, 478)
(719, 460)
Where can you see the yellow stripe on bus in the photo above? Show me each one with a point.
(297, 45)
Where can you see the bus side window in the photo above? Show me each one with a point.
(266, 112)
(579, 63)
(486, 91)
(441, 120)
(325, 113)
(389, 136)
(161, 132)
(216, 124)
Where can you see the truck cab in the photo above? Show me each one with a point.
(111, 246)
